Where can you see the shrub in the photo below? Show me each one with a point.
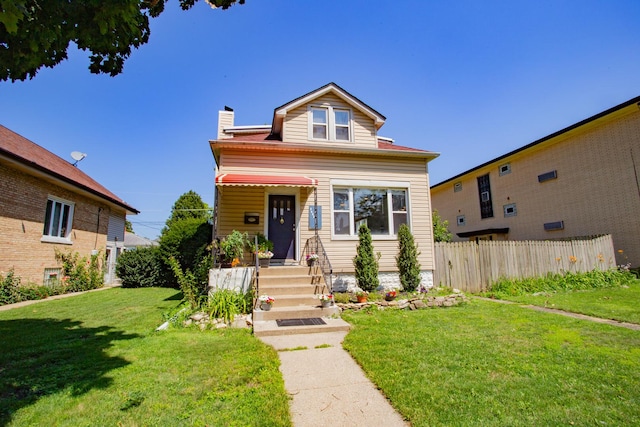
(227, 303)
(407, 260)
(80, 273)
(186, 241)
(365, 262)
(9, 289)
(188, 284)
(139, 268)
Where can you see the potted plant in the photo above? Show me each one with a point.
(326, 300)
(312, 258)
(390, 295)
(266, 302)
(362, 296)
(262, 248)
(232, 248)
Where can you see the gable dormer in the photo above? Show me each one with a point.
(328, 115)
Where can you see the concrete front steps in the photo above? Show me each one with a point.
(295, 289)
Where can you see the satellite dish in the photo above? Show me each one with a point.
(77, 156)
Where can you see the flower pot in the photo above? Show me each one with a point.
(327, 303)
(361, 298)
(264, 262)
(311, 262)
(265, 307)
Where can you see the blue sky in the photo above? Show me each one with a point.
(469, 79)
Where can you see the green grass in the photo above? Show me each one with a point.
(620, 304)
(492, 364)
(95, 359)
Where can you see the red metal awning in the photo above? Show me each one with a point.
(265, 180)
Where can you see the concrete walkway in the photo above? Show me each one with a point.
(327, 387)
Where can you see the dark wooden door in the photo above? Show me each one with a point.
(282, 225)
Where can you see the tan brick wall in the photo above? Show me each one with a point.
(23, 201)
(596, 191)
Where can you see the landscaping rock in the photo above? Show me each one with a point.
(415, 303)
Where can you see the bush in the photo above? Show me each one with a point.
(407, 260)
(227, 303)
(80, 273)
(187, 241)
(365, 262)
(9, 289)
(139, 268)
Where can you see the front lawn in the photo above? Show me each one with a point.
(494, 365)
(95, 359)
(620, 304)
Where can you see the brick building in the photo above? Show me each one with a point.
(47, 203)
(580, 181)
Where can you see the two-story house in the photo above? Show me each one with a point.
(581, 181)
(46, 203)
(319, 171)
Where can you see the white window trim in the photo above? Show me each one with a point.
(331, 125)
(63, 240)
(386, 185)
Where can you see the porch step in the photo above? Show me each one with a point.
(293, 300)
(295, 312)
(284, 270)
(291, 289)
(268, 328)
(289, 279)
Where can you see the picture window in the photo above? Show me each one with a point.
(383, 210)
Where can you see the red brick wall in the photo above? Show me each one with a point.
(23, 200)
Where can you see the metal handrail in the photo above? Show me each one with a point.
(314, 246)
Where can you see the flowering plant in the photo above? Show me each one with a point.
(312, 257)
(391, 294)
(266, 299)
(264, 254)
(325, 297)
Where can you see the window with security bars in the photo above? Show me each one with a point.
(484, 191)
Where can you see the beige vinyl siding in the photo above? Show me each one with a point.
(296, 124)
(324, 168)
(595, 192)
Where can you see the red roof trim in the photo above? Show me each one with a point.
(265, 180)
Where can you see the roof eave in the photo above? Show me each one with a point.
(59, 177)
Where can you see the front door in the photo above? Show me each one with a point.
(282, 226)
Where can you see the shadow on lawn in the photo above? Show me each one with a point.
(40, 357)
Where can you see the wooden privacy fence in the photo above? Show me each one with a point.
(472, 267)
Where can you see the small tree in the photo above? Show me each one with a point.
(139, 268)
(365, 262)
(440, 228)
(407, 260)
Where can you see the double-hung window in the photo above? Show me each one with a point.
(58, 219)
(382, 210)
(330, 124)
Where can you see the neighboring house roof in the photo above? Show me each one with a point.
(134, 241)
(280, 112)
(634, 101)
(30, 155)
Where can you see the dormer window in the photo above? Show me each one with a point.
(319, 123)
(330, 124)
